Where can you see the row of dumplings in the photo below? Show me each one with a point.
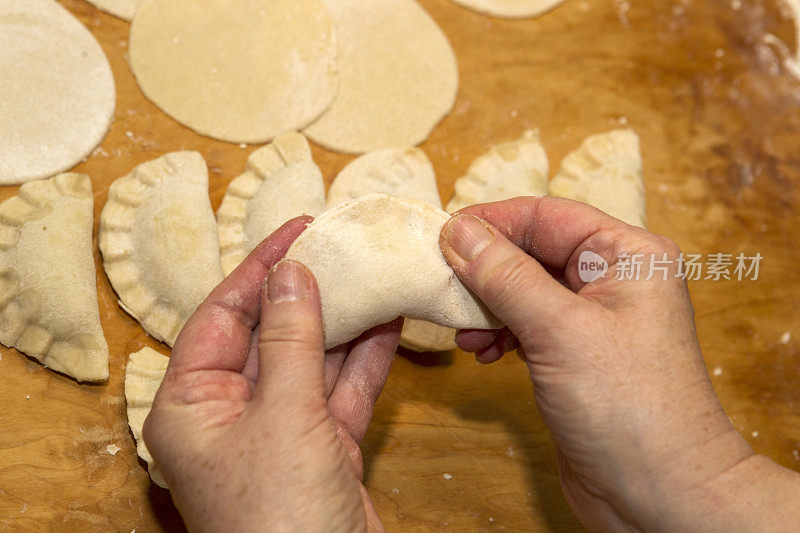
(164, 250)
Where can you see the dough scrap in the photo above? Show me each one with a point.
(508, 170)
(398, 77)
(242, 71)
(48, 292)
(512, 9)
(281, 182)
(159, 242)
(421, 336)
(57, 93)
(123, 9)
(378, 257)
(403, 172)
(143, 376)
(606, 172)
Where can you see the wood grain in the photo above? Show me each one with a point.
(719, 121)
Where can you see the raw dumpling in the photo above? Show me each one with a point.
(378, 257)
(403, 172)
(143, 377)
(398, 77)
(606, 172)
(159, 242)
(512, 9)
(241, 71)
(508, 170)
(281, 182)
(57, 93)
(48, 292)
(406, 173)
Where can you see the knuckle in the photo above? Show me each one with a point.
(293, 333)
(509, 276)
(669, 247)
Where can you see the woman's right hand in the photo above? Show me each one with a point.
(641, 438)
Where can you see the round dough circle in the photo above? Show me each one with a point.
(512, 9)
(398, 77)
(57, 92)
(242, 71)
(123, 9)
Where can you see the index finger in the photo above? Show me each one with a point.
(217, 336)
(547, 228)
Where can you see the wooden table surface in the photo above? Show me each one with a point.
(719, 120)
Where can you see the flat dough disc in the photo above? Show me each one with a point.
(143, 377)
(242, 71)
(512, 9)
(48, 293)
(281, 182)
(159, 242)
(398, 77)
(56, 90)
(606, 172)
(123, 9)
(403, 172)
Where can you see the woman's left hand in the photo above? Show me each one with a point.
(255, 426)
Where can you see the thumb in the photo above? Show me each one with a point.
(291, 341)
(512, 284)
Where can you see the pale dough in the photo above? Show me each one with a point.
(404, 172)
(397, 72)
(378, 257)
(407, 173)
(421, 336)
(143, 376)
(281, 182)
(159, 242)
(48, 292)
(242, 71)
(512, 9)
(57, 93)
(123, 9)
(606, 172)
(508, 170)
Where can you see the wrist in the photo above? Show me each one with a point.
(679, 483)
(755, 494)
(699, 489)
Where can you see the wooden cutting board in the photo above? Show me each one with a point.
(455, 444)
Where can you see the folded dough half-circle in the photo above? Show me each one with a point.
(159, 242)
(281, 182)
(606, 172)
(507, 170)
(403, 172)
(143, 377)
(48, 294)
(378, 257)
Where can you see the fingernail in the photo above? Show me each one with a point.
(468, 236)
(287, 282)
